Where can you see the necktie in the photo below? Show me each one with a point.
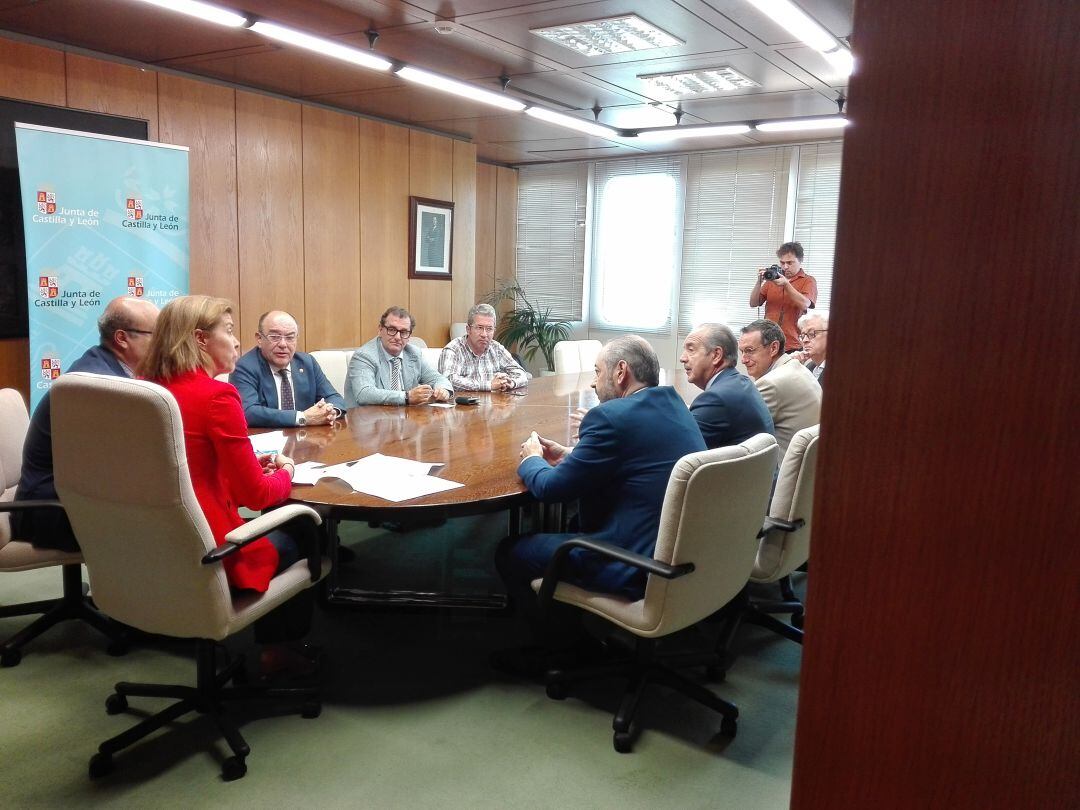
(395, 374)
(287, 403)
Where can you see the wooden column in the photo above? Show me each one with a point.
(941, 662)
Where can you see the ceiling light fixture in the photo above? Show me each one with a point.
(448, 85)
(326, 47)
(800, 124)
(677, 133)
(570, 122)
(800, 25)
(705, 81)
(204, 11)
(613, 35)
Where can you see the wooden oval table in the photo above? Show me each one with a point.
(477, 446)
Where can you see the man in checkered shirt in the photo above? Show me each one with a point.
(476, 361)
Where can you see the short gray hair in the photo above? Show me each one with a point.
(822, 314)
(487, 310)
(718, 336)
(639, 356)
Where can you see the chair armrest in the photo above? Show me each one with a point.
(20, 506)
(780, 525)
(558, 562)
(306, 518)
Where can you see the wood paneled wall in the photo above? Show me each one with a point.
(292, 206)
(941, 658)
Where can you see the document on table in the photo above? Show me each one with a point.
(387, 477)
(272, 442)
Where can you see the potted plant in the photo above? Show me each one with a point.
(527, 327)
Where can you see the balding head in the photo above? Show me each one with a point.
(126, 326)
(277, 337)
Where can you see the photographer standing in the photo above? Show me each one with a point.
(787, 293)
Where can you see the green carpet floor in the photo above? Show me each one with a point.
(413, 716)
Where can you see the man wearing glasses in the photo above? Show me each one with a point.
(279, 386)
(813, 329)
(125, 328)
(476, 361)
(388, 371)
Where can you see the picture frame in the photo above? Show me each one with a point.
(431, 238)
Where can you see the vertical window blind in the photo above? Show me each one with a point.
(816, 204)
(551, 236)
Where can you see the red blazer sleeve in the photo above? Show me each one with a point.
(247, 483)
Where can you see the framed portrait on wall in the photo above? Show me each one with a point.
(431, 238)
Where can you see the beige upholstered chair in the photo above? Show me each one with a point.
(714, 505)
(432, 357)
(152, 560)
(784, 546)
(457, 330)
(576, 356)
(19, 555)
(335, 365)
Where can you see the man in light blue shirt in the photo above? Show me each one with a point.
(388, 371)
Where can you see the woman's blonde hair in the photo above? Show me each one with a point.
(173, 348)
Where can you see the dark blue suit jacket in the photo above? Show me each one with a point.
(47, 528)
(731, 410)
(619, 470)
(258, 393)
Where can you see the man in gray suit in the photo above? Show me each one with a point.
(791, 393)
(388, 371)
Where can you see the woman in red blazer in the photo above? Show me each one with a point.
(193, 342)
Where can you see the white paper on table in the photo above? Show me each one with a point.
(272, 442)
(393, 479)
(392, 465)
(310, 472)
(441, 404)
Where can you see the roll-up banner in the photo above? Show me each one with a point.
(103, 217)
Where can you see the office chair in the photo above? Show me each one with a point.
(152, 560)
(576, 356)
(784, 546)
(20, 555)
(335, 365)
(714, 504)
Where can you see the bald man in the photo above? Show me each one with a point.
(125, 328)
(279, 386)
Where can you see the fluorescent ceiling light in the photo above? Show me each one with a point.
(704, 81)
(841, 59)
(204, 11)
(447, 85)
(570, 122)
(319, 45)
(797, 22)
(675, 133)
(798, 124)
(613, 35)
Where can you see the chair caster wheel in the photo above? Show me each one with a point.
(311, 710)
(556, 691)
(233, 768)
(100, 765)
(116, 703)
(797, 620)
(10, 658)
(729, 727)
(623, 742)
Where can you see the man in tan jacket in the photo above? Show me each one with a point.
(791, 393)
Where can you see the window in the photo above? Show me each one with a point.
(551, 236)
(735, 204)
(816, 204)
(635, 237)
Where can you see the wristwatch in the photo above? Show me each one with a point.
(301, 419)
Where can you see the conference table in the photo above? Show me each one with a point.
(477, 445)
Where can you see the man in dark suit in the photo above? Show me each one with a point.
(730, 410)
(279, 386)
(619, 470)
(125, 328)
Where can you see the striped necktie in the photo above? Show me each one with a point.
(395, 374)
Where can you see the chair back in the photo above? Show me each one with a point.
(13, 423)
(576, 356)
(780, 553)
(121, 471)
(457, 330)
(431, 356)
(335, 365)
(714, 506)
